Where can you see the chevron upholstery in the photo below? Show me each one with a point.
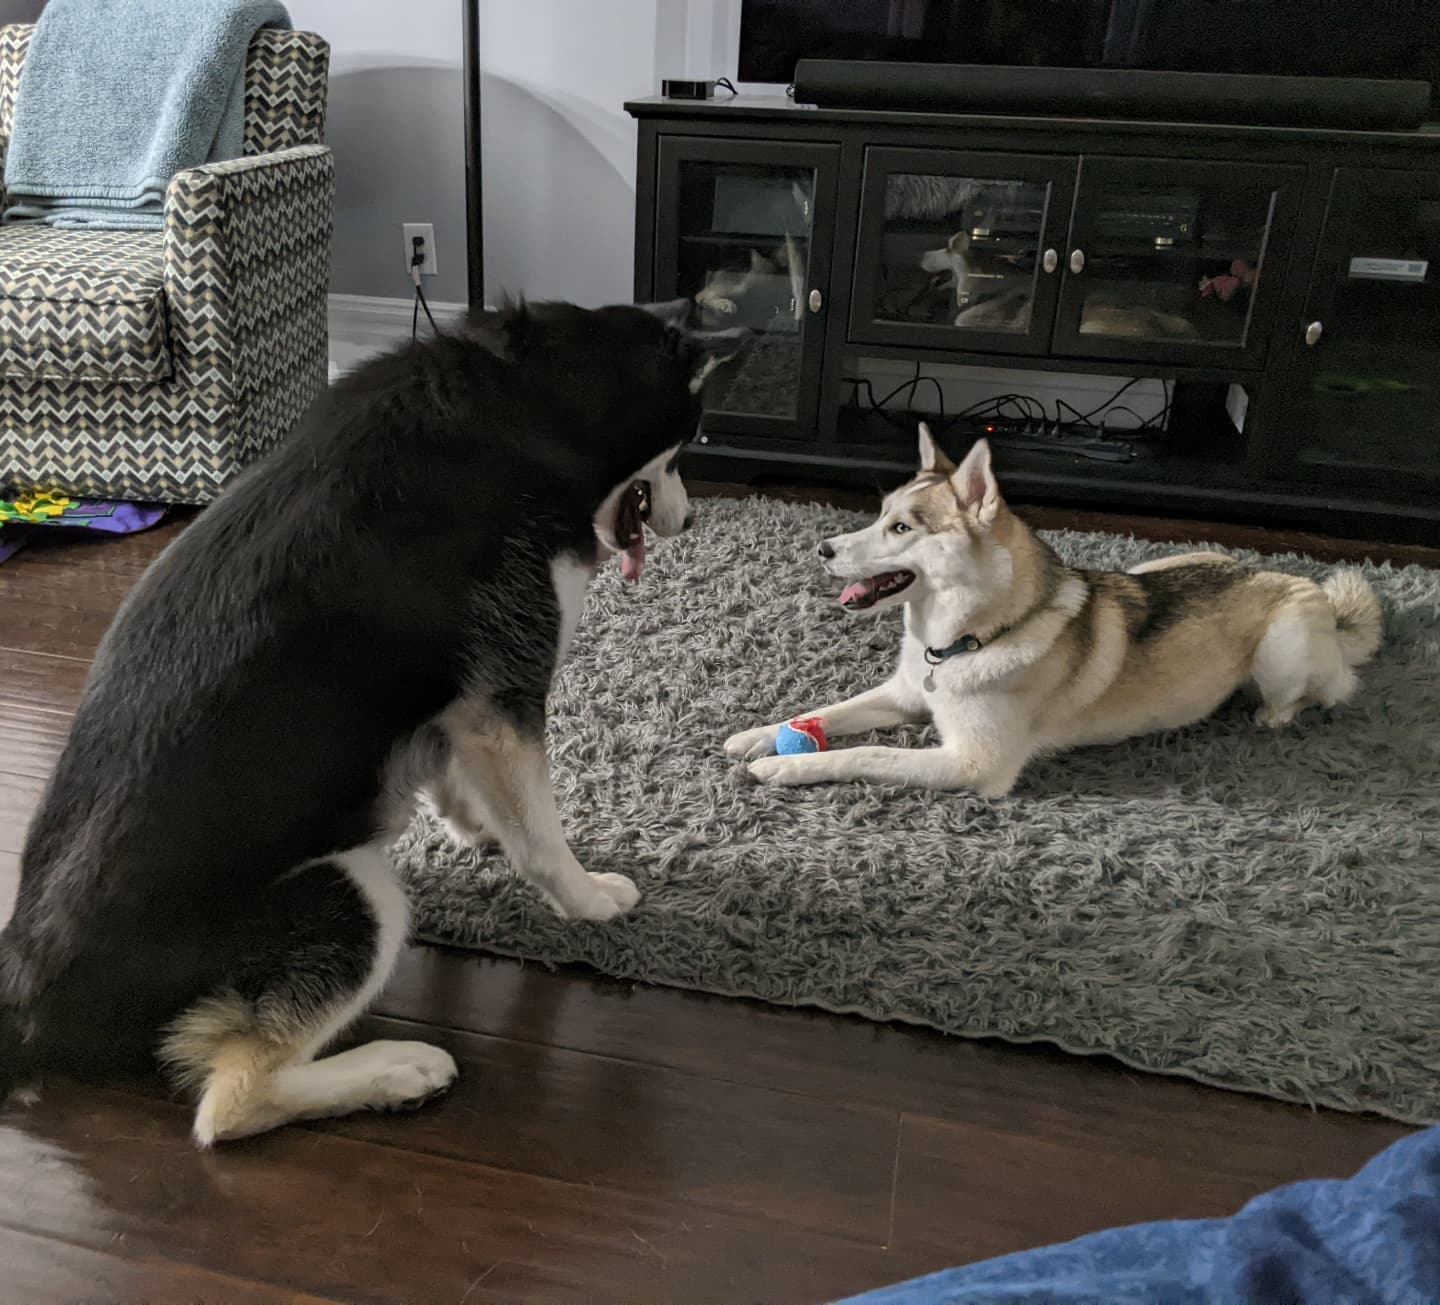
(86, 308)
(147, 367)
(14, 41)
(285, 84)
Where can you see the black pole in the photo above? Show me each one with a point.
(474, 215)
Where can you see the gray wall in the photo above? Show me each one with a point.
(20, 11)
(559, 149)
(396, 125)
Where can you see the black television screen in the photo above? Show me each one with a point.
(1305, 38)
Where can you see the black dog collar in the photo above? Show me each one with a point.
(966, 643)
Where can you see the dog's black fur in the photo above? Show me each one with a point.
(278, 656)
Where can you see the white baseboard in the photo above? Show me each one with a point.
(362, 325)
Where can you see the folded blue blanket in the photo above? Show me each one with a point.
(1373, 1239)
(117, 96)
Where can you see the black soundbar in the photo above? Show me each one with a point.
(1354, 103)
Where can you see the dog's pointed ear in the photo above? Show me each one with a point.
(975, 484)
(707, 350)
(673, 312)
(932, 456)
(517, 327)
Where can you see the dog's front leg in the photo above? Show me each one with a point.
(938, 768)
(462, 824)
(502, 775)
(943, 768)
(882, 707)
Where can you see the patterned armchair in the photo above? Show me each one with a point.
(153, 366)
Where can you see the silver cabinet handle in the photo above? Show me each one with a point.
(1051, 260)
(1077, 260)
(817, 301)
(1313, 332)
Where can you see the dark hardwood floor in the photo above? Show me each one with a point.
(605, 1141)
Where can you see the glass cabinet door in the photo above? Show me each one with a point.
(1363, 399)
(749, 240)
(959, 250)
(1175, 261)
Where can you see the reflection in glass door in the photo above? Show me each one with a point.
(1366, 388)
(1168, 260)
(744, 255)
(743, 228)
(958, 249)
(1175, 264)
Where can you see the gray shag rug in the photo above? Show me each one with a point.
(1254, 910)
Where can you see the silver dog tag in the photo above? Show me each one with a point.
(928, 683)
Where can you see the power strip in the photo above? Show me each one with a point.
(1056, 437)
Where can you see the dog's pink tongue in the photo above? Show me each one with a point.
(632, 560)
(855, 589)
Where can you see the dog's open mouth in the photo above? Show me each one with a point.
(860, 594)
(630, 518)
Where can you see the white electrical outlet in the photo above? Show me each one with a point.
(426, 232)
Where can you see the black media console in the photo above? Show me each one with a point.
(1258, 308)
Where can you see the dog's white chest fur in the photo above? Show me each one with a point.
(571, 578)
(953, 676)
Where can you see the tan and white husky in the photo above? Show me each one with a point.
(1012, 653)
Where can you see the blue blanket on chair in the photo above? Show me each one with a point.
(117, 96)
(1373, 1239)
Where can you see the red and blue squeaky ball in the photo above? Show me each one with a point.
(803, 734)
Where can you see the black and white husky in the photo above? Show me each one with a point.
(374, 612)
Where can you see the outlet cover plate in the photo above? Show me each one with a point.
(426, 231)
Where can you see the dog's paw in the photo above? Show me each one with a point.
(467, 834)
(612, 896)
(405, 1075)
(1276, 718)
(620, 889)
(752, 743)
(993, 789)
(780, 771)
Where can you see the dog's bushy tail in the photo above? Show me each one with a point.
(1357, 615)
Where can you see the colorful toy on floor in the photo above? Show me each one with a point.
(22, 515)
(803, 734)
